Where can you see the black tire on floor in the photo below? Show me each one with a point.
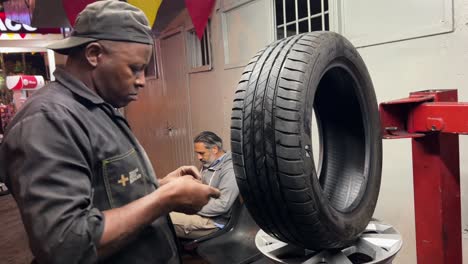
(280, 90)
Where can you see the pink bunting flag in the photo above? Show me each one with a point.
(200, 11)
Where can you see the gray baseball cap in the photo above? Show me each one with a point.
(107, 20)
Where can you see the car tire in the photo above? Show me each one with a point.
(316, 202)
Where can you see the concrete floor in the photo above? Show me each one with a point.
(198, 260)
(14, 247)
(191, 259)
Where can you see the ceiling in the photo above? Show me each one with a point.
(168, 10)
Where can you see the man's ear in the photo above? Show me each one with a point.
(93, 51)
(215, 150)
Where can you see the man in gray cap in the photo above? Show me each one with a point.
(84, 186)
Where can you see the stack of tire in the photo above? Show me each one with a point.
(314, 76)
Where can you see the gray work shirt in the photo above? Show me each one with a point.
(220, 175)
(67, 156)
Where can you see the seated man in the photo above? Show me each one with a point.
(217, 171)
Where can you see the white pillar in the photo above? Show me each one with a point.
(51, 61)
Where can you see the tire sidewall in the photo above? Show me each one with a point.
(336, 51)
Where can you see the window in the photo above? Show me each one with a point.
(299, 16)
(152, 67)
(199, 51)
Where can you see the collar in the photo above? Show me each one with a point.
(76, 86)
(215, 165)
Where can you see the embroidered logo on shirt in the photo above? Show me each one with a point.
(133, 176)
(123, 180)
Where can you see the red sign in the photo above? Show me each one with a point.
(24, 82)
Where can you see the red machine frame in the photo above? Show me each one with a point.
(432, 119)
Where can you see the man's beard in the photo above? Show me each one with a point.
(206, 164)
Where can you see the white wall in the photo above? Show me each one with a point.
(435, 62)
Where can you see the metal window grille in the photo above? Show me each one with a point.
(300, 16)
(199, 50)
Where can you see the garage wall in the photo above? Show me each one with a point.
(211, 92)
(421, 62)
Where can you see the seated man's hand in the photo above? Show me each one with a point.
(188, 195)
(181, 171)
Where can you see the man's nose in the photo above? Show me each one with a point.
(140, 81)
(199, 157)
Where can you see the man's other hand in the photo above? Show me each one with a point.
(188, 195)
(181, 171)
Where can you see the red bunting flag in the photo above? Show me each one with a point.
(74, 7)
(200, 11)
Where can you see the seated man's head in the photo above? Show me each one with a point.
(109, 49)
(208, 147)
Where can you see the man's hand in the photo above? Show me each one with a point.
(188, 195)
(183, 194)
(181, 171)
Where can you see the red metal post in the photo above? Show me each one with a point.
(436, 178)
(436, 172)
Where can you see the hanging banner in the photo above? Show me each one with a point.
(200, 11)
(19, 10)
(13, 29)
(150, 7)
(73, 8)
(8, 26)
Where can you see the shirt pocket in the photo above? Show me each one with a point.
(124, 178)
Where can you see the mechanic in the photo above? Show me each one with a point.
(217, 171)
(84, 186)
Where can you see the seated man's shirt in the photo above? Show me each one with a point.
(220, 174)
